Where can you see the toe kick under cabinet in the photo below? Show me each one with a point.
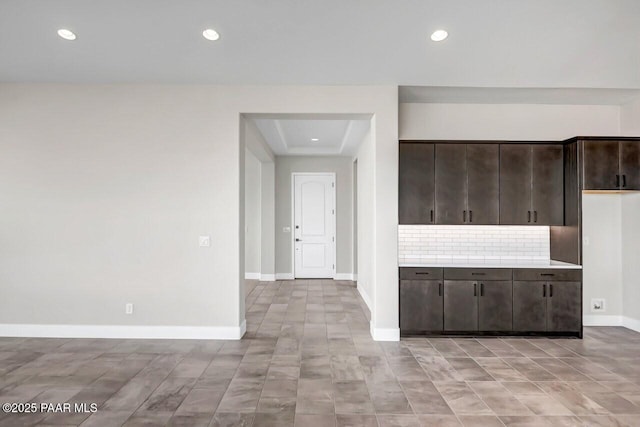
(490, 301)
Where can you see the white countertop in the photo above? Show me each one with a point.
(490, 264)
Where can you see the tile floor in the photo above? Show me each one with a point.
(308, 360)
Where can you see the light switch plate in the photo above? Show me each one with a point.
(205, 241)
(128, 308)
(286, 229)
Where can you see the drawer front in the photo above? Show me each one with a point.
(547, 274)
(477, 273)
(420, 273)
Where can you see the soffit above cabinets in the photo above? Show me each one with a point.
(512, 95)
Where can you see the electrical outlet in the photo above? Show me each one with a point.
(128, 308)
(585, 239)
(286, 229)
(205, 241)
(597, 304)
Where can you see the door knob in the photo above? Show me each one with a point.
(298, 240)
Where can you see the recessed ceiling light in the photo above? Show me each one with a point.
(210, 34)
(315, 139)
(66, 34)
(439, 35)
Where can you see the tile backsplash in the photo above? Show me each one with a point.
(473, 243)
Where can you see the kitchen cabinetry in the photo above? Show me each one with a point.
(421, 299)
(547, 301)
(611, 164)
(477, 299)
(416, 184)
(531, 184)
(484, 300)
(467, 183)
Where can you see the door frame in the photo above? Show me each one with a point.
(293, 219)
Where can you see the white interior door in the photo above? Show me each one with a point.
(314, 225)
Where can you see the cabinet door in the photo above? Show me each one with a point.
(451, 184)
(416, 184)
(547, 188)
(483, 183)
(460, 305)
(495, 306)
(564, 307)
(601, 165)
(530, 306)
(630, 165)
(515, 184)
(421, 305)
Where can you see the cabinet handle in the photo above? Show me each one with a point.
(535, 216)
(475, 289)
(431, 215)
(477, 274)
(617, 180)
(624, 181)
(544, 291)
(464, 216)
(439, 289)
(528, 216)
(481, 289)
(470, 216)
(547, 274)
(421, 272)
(550, 291)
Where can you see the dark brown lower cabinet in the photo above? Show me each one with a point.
(421, 305)
(489, 301)
(563, 313)
(547, 306)
(529, 306)
(495, 306)
(460, 305)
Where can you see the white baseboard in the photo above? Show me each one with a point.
(364, 295)
(384, 334)
(612, 320)
(252, 276)
(343, 276)
(267, 277)
(601, 320)
(630, 323)
(355, 277)
(124, 331)
(284, 276)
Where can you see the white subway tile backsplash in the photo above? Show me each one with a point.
(475, 243)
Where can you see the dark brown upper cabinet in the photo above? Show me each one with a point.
(416, 184)
(531, 184)
(467, 183)
(611, 165)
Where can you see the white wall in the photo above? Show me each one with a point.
(602, 262)
(253, 215)
(630, 119)
(506, 121)
(106, 189)
(343, 168)
(630, 264)
(268, 221)
(366, 221)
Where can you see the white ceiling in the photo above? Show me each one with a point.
(492, 43)
(336, 136)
